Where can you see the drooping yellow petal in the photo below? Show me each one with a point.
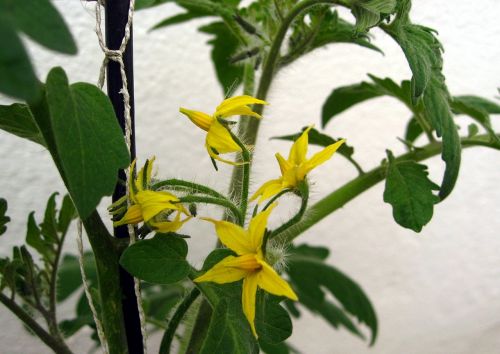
(238, 105)
(232, 236)
(219, 138)
(132, 216)
(267, 190)
(218, 158)
(222, 274)
(257, 228)
(248, 296)
(169, 226)
(201, 119)
(271, 282)
(298, 151)
(152, 203)
(284, 164)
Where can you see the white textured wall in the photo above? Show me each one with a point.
(436, 292)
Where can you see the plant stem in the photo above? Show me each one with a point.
(273, 199)
(200, 328)
(355, 187)
(194, 187)
(181, 310)
(106, 258)
(55, 344)
(304, 195)
(216, 201)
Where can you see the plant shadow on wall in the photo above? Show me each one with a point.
(256, 280)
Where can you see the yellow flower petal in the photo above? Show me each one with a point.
(232, 236)
(237, 106)
(152, 203)
(271, 282)
(298, 150)
(218, 158)
(132, 216)
(257, 228)
(221, 274)
(169, 226)
(202, 120)
(246, 262)
(284, 164)
(219, 138)
(248, 296)
(268, 189)
(319, 158)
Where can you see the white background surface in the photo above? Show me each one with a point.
(437, 292)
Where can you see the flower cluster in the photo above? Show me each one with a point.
(249, 262)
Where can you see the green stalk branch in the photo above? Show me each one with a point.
(304, 195)
(276, 197)
(53, 343)
(181, 310)
(190, 186)
(106, 258)
(216, 201)
(355, 187)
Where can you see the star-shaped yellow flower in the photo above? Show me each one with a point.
(218, 140)
(249, 264)
(296, 167)
(147, 205)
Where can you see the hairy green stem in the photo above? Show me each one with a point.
(181, 310)
(355, 187)
(200, 329)
(191, 186)
(106, 258)
(276, 197)
(216, 201)
(304, 195)
(57, 345)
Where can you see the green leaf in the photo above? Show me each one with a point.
(49, 224)
(345, 97)
(410, 192)
(18, 77)
(369, 13)
(320, 139)
(478, 110)
(66, 215)
(472, 130)
(311, 277)
(227, 334)
(79, 126)
(413, 130)
(479, 103)
(34, 237)
(4, 219)
(160, 260)
(41, 21)
(224, 45)
(423, 53)
(18, 120)
(69, 278)
(272, 321)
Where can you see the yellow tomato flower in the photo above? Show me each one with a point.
(296, 167)
(147, 205)
(249, 264)
(218, 140)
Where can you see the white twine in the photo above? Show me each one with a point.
(117, 56)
